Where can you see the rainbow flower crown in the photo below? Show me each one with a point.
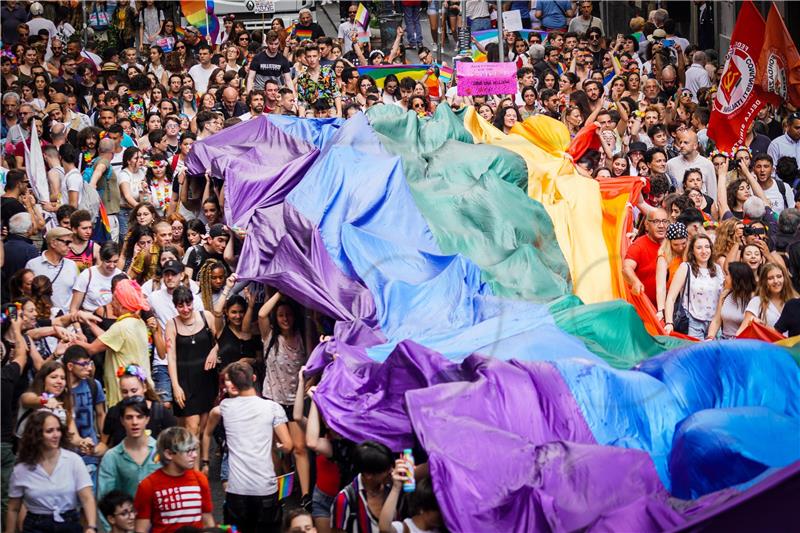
(132, 370)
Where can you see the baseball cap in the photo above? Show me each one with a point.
(174, 266)
(57, 233)
(637, 147)
(657, 34)
(218, 230)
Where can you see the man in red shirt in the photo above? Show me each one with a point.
(639, 267)
(175, 495)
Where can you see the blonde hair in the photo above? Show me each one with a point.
(726, 236)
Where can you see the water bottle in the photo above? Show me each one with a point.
(410, 484)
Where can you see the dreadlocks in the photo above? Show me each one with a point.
(204, 279)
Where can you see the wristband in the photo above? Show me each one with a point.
(204, 462)
(668, 324)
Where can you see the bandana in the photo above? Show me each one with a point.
(677, 231)
(129, 295)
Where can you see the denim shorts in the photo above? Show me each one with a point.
(224, 470)
(162, 383)
(321, 504)
(433, 7)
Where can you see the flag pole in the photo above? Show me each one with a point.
(208, 29)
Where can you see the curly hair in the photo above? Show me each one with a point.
(30, 445)
(204, 279)
(726, 236)
(41, 294)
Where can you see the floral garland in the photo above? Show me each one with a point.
(136, 109)
(132, 370)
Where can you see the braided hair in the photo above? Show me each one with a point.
(204, 279)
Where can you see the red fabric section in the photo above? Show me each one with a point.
(585, 139)
(779, 53)
(761, 333)
(739, 98)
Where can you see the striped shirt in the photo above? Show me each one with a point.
(171, 502)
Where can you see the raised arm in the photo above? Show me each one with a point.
(263, 314)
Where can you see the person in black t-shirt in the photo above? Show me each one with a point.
(269, 64)
(10, 202)
(213, 248)
(789, 321)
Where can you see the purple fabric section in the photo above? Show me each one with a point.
(259, 163)
(552, 476)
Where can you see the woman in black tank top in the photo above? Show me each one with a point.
(236, 342)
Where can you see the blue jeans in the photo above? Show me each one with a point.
(413, 29)
(162, 383)
(123, 216)
(484, 23)
(698, 328)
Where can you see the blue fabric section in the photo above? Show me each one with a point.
(374, 232)
(317, 132)
(697, 406)
(716, 448)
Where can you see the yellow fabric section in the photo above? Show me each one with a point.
(572, 201)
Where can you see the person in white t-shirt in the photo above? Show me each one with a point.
(251, 497)
(779, 194)
(72, 192)
(201, 72)
(93, 287)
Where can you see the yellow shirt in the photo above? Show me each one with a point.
(126, 344)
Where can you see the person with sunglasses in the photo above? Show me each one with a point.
(62, 272)
(88, 403)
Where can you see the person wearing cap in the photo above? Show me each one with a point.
(636, 152)
(214, 247)
(172, 277)
(38, 22)
(62, 272)
(670, 256)
(125, 342)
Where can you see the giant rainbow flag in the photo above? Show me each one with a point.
(478, 320)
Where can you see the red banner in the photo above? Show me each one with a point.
(739, 97)
(779, 64)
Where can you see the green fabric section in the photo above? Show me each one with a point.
(612, 330)
(471, 197)
(474, 200)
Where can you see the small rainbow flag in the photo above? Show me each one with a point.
(285, 485)
(362, 16)
(490, 36)
(180, 31)
(104, 217)
(290, 29)
(200, 14)
(303, 35)
(445, 74)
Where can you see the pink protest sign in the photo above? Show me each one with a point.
(486, 78)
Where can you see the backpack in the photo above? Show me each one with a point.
(782, 189)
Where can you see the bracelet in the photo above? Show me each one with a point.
(204, 462)
(668, 324)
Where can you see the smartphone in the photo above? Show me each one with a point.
(667, 43)
(12, 312)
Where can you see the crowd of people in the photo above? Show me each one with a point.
(132, 355)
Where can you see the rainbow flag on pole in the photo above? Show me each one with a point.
(362, 16)
(285, 485)
(200, 14)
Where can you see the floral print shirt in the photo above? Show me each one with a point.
(325, 89)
